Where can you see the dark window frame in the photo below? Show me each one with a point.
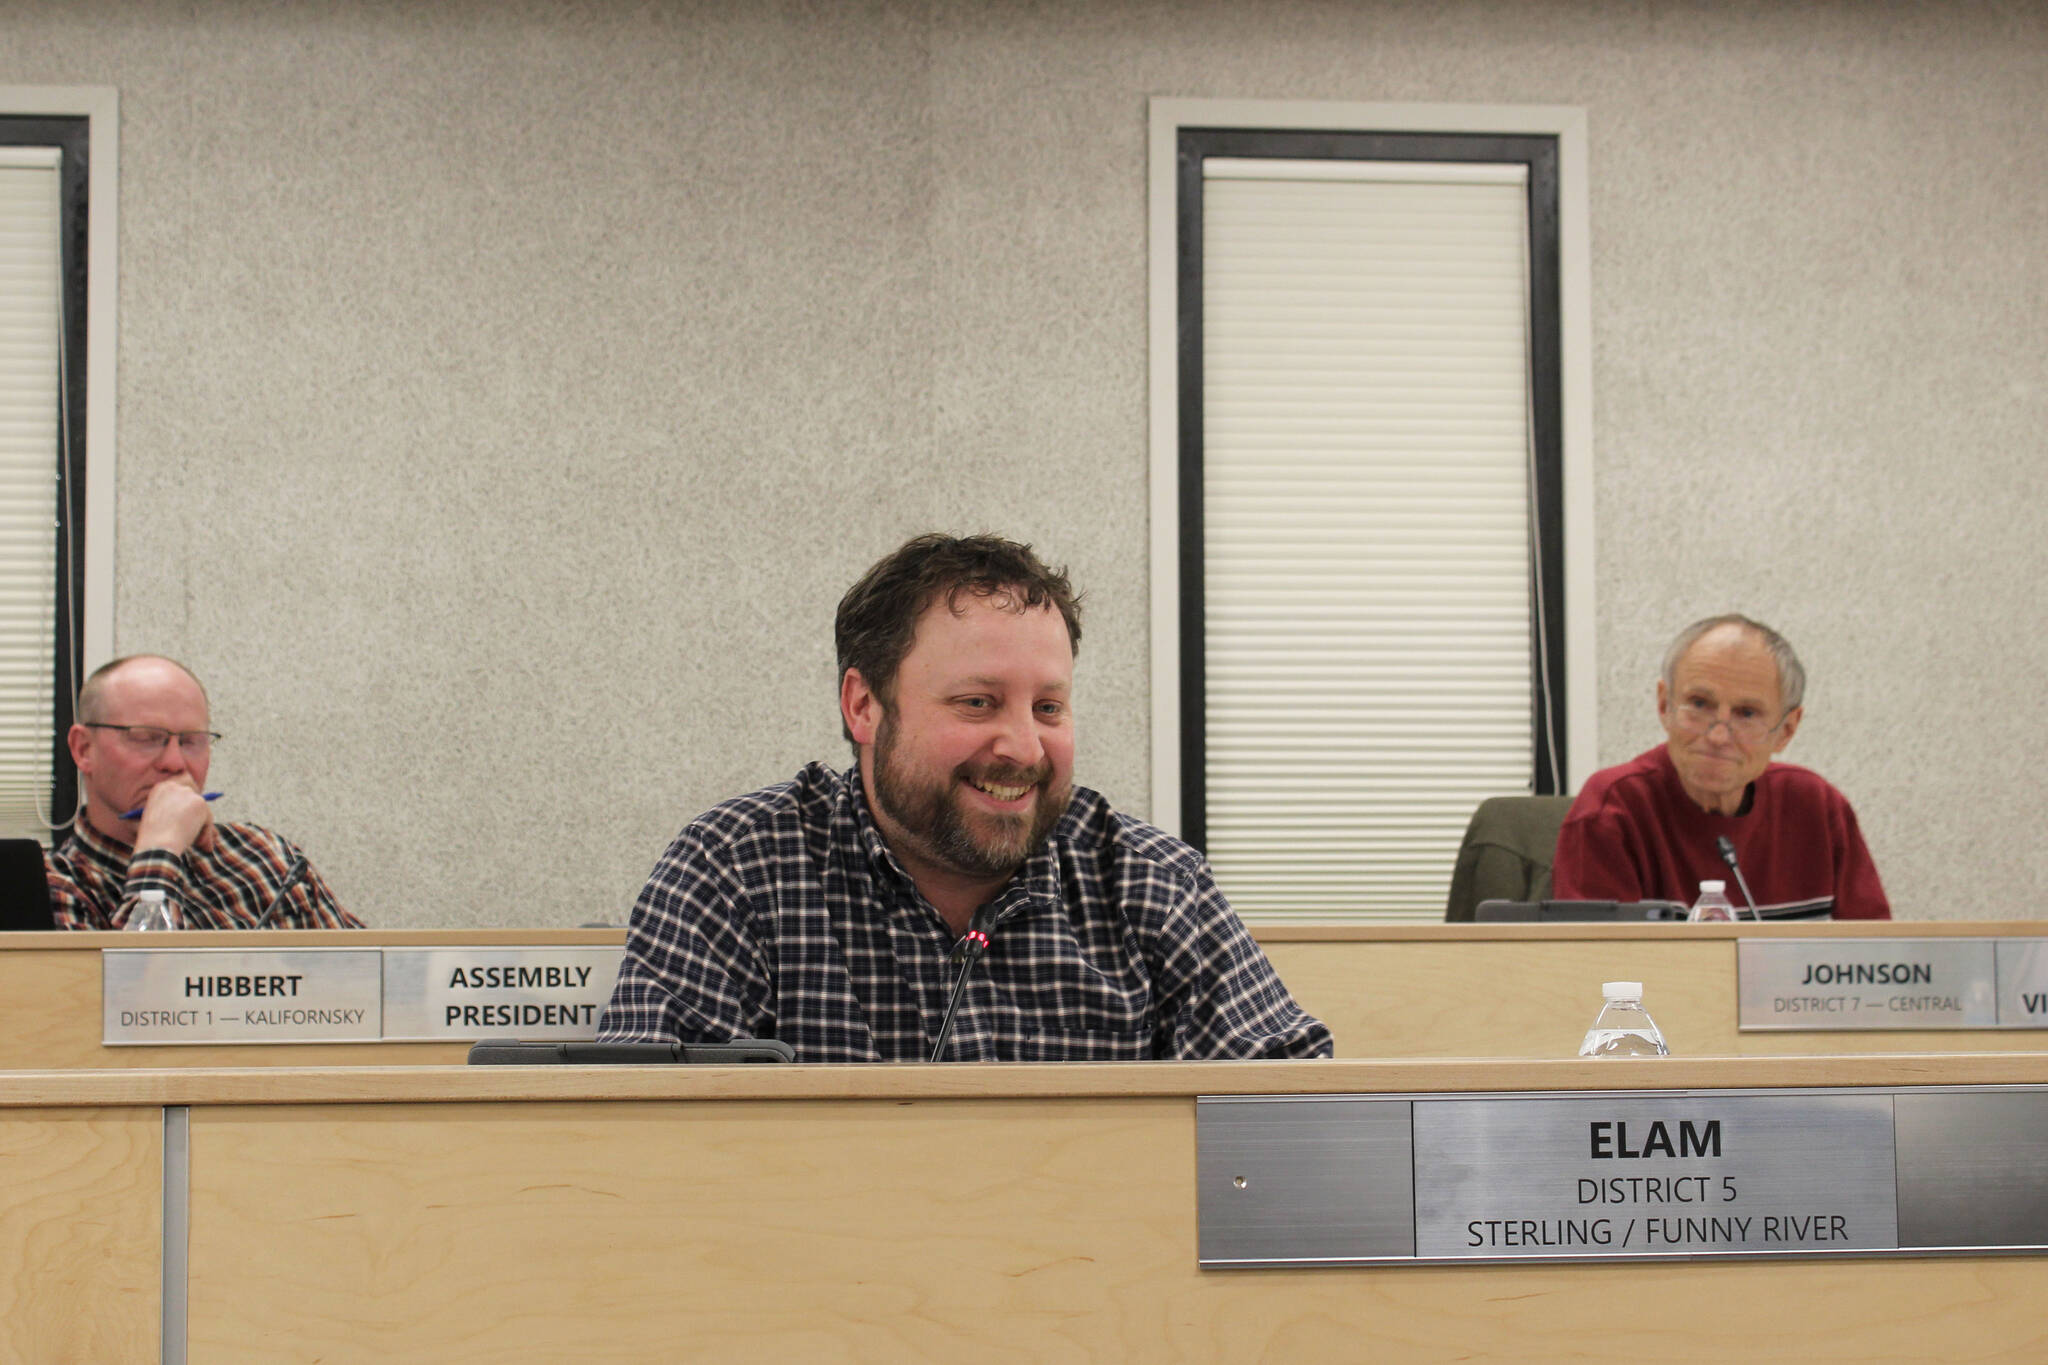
(1538, 152)
(72, 135)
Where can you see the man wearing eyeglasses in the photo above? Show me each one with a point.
(142, 744)
(1730, 699)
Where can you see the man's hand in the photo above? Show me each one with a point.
(175, 818)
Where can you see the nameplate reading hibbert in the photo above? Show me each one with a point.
(223, 995)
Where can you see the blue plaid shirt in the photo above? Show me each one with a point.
(783, 914)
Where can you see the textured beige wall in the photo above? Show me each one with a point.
(509, 389)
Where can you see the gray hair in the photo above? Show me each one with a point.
(1791, 673)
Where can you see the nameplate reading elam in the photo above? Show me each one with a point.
(1613, 1175)
(1308, 1180)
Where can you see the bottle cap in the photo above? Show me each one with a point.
(1622, 990)
(151, 895)
(1712, 886)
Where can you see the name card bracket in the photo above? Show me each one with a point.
(1834, 985)
(194, 996)
(1621, 1176)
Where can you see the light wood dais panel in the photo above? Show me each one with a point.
(920, 1229)
(1387, 991)
(1531, 991)
(80, 1234)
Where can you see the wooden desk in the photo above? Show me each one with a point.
(50, 996)
(1530, 990)
(855, 1214)
(1442, 990)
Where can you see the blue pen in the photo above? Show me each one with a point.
(136, 814)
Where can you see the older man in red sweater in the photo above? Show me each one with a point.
(1730, 699)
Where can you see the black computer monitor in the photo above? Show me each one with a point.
(24, 886)
(1577, 912)
(1628, 912)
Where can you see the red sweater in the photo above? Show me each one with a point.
(1633, 834)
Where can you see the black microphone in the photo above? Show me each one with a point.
(1727, 848)
(291, 879)
(972, 945)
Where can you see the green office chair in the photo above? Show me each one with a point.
(1506, 854)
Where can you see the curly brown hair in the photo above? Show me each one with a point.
(877, 620)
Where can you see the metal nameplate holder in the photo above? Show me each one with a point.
(1832, 985)
(190, 996)
(1324, 1180)
(541, 994)
(236, 995)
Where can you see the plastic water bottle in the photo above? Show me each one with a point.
(1713, 906)
(1624, 1028)
(152, 911)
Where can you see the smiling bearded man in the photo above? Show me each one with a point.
(925, 813)
(826, 911)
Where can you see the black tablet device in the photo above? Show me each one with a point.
(504, 1052)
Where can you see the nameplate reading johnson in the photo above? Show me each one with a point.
(1842, 984)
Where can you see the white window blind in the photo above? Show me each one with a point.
(30, 318)
(1366, 516)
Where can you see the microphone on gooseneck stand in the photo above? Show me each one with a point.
(973, 944)
(291, 879)
(1727, 848)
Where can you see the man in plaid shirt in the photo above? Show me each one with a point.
(829, 911)
(142, 745)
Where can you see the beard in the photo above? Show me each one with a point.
(931, 812)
